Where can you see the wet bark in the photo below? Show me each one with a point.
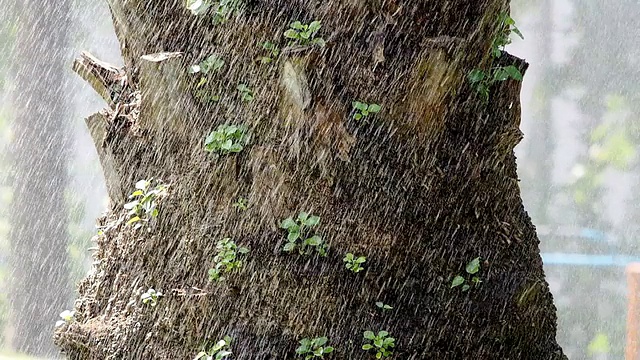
(39, 150)
(420, 189)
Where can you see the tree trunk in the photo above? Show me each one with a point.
(39, 274)
(420, 189)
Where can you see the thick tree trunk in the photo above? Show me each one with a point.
(427, 185)
(39, 274)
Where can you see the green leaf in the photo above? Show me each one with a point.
(315, 26)
(312, 221)
(243, 250)
(500, 74)
(473, 266)
(457, 281)
(357, 116)
(290, 246)
(297, 25)
(288, 223)
(374, 108)
(320, 341)
(133, 220)
(360, 106)
(293, 236)
(476, 76)
(303, 216)
(319, 41)
(369, 335)
(137, 193)
(517, 31)
(314, 240)
(465, 287)
(291, 34)
(367, 347)
(382, 333)
(227, 145)
(513, 72)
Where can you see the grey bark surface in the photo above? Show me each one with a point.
(422, 189)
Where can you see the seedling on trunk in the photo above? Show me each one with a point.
(312, 348)
(381, 343)
(227, 259)
(299, 237)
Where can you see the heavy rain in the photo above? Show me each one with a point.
(288, 179)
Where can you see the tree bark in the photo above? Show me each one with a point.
(40, 286)
(421, 189)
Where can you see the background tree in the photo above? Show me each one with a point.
(39, 151)
(591, 117)
(420, 186)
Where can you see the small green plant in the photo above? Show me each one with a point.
(221, 350)
(198, 7)
(144, 206)
(383, 306)
(362, 110)
(506, 26)
(481, 80)
(311, 348)
(354, 263)
(221, 10)
(472, 268)
(241, 204)
(226, 139)
(207, 68)
(225, 9)
(66, 316)
(305, 34)
(272, 50)
(299, 229)
(211, 64)
(380, 343)
(246, 94)
(151, 297)
(227, 259)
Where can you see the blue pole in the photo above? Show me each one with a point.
(588, 260)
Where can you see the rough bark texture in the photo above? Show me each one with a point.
(39, 151)
(427, 185)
